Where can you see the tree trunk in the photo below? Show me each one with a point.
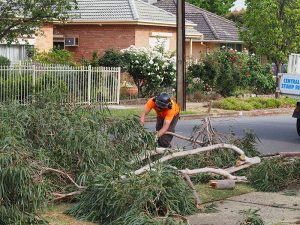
(278, 70)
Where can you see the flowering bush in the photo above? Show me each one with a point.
(229, 73)
(152, 69)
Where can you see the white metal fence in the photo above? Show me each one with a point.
(82, 85)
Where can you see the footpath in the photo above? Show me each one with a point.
(281, 208)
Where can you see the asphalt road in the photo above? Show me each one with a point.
(276, 133)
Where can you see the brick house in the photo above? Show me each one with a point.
(100, 25)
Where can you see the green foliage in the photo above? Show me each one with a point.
(220, 7)
(93, 149)
(228, 72)
(233, 104)
(11, 86)
(55, 56)
(151, 69)
(254, 103)
(111, 58)
(252, 217)
(4, 61)
(36, 13)
(277, 34)
(158, 193)
(236, 16)
(20, 88)
(271, 175)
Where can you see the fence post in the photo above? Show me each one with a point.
(89, 83)
(33, 82)
(119, 85)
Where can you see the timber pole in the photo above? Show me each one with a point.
(180, 56)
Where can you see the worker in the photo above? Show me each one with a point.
(167, 111)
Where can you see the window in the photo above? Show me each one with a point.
(159, 41)
(234, 46)
(59, 45)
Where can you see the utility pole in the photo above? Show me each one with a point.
(180, 56)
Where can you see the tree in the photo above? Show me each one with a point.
(236, 16)
(272, 28)
(220, 7)
(24, 17)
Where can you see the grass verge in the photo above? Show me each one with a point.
(121, 113)
(55, 216)
(208, 194)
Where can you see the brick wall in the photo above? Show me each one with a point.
(96, 37)
(44, 39)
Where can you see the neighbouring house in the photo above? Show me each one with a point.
(18, 51)
(217, 31)
(100, 25)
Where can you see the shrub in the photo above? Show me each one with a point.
(233, 104)
(254, 103)
(4, 61)
(111, 58)
(229, 72)
(20, 88)
(55, 56)
(16, 88)
(151, 69)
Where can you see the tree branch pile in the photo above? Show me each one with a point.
(53, 152)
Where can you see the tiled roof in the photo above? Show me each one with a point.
(125, 11)
(120, 10)
(212, 26)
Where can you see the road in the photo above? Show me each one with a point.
(276, 133)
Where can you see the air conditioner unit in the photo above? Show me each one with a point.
(71, 41)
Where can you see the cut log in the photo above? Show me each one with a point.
(222, 184)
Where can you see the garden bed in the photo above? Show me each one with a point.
(254, 103)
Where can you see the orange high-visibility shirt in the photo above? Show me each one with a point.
(167, 114)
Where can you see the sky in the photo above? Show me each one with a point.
(239, 4)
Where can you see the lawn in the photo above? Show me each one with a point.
(208, 194)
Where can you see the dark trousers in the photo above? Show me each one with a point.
(165, 140)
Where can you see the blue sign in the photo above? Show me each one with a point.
(290, 84)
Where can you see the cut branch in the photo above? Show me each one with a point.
(185, 138)
(221, 172)
(195, 193)
(47, 169)
(60, 196)
(253, 160)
